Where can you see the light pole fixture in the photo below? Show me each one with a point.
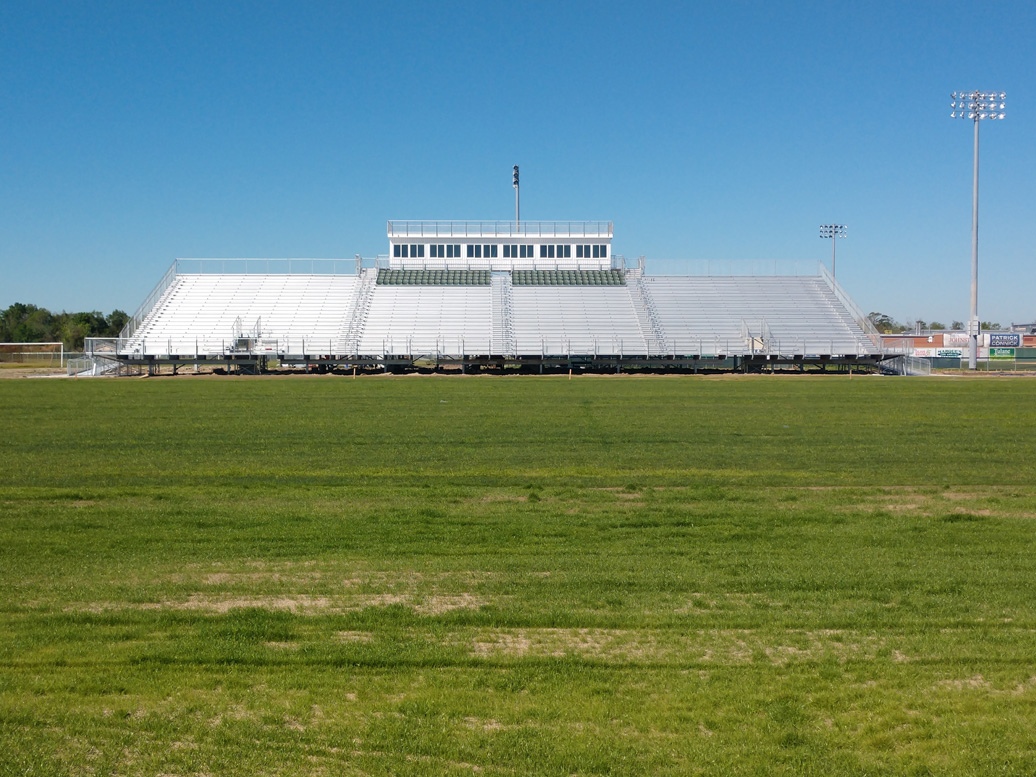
(832, 231)
(975, 106)
(516, 211)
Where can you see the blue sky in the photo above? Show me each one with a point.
(135, 133)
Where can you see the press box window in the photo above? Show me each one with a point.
(405, 250)
(445, 251)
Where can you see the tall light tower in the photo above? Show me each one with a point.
(833, 231)
(976, 106)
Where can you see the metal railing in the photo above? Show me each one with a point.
(766, 268)
(862, 320)
(756, 336)
(907, 365)
(149, 303)
(362, 300)
(529, 229)
(266, 266)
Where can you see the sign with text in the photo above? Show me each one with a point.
(1005, 341)
(949, 353)
(1001, 353)
(955, 338)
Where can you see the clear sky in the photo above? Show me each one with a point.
(133, 133)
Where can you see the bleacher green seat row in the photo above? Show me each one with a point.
(434, 277)
(518, 277)
(568, 278)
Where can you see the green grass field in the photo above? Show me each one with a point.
(506, 576)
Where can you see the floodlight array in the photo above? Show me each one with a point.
(832, 230)
(977, 105)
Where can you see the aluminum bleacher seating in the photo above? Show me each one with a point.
(428, 320)
(471, 311)
(205, 313)
(709, 314)
(563, 320)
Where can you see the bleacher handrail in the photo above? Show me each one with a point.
(149, 303)
(269, 266)
(723, 268)
(520, 229)
(862, 320)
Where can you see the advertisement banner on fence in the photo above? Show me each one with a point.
(928, 353)
(1001, 353)
(1004, 341)
(949, 353)
(955, 339)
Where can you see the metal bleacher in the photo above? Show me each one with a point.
(427, 320)
(210, 313)
(582, 320)
(491, 313)
(780, 315)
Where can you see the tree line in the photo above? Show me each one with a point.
(22, 323)
(889, 326)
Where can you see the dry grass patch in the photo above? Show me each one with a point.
(481, 724)
(614, 644)
(723, 647)
(251, 579)
(979, 682)
(294, 604)
(354, 636)
(282, 645)
(298, 604)
(436, 605)
(928, 502)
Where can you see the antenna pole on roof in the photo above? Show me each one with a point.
(516, 211)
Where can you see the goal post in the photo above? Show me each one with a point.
(32, 354)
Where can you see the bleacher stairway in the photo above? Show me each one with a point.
(349, 341)
(650, 325)
(503, 316)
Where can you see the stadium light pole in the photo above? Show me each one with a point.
(975, 106)
(516, 220)
(832, 231)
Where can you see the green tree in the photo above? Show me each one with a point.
(116, 321)
(22, 323)
(885, 323)
(76, 327)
